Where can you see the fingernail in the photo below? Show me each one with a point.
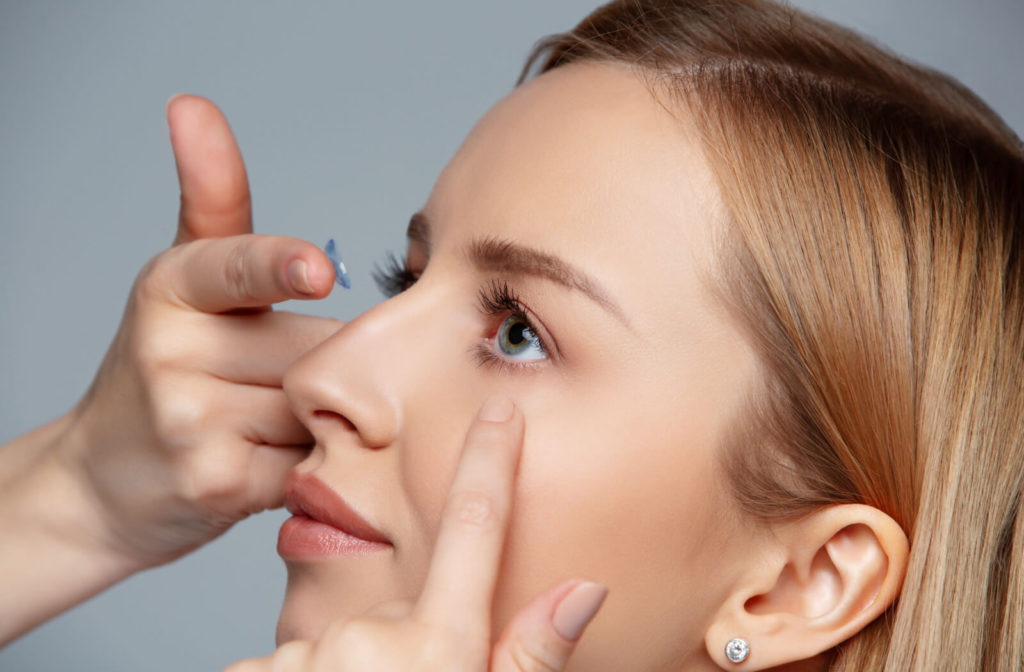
(497, 409)
(297, 276)
(577, 609)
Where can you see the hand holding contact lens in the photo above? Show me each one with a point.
(340, 274)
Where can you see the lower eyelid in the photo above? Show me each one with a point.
(486, 357)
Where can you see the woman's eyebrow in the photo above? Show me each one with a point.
(503, 256)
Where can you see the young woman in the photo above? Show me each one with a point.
(745, 294)
(756, 287)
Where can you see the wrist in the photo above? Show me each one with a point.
(87, 521)
(56, 556)
(50, 499)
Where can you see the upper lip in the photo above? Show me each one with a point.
(307, 495)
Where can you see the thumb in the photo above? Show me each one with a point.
(544, 634)
(211, 174)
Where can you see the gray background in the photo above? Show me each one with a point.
(345, 112)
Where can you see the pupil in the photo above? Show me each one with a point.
(515, 333)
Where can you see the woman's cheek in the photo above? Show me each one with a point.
(433, 432)
(430, 445)
(561, 494)
(600, 495)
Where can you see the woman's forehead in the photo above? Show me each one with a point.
(585, 163)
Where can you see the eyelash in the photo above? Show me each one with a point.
(497, 300)
(393, 277)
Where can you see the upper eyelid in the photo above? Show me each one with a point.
(395, 266)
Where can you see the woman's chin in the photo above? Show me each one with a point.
(307, 610)
(319, 593)
(295, 622)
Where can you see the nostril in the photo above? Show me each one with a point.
(331, 416)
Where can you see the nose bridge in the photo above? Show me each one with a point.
(365, 370)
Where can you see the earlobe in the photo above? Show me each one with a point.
(819, 581)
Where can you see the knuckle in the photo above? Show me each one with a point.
(150, 282)
(532, 658)
(237, 281)
(176, 416)
(474, 510)
(212, 473)
(159, 277)
(148, 355)
(213, 476)
(153, 350)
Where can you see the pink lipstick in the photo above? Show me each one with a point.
(323, 524)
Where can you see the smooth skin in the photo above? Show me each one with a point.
(185, 429)
(632, 500)
(625, 409)
(449, 626)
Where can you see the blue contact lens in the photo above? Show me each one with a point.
(340, 274)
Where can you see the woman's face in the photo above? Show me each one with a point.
(584, 214)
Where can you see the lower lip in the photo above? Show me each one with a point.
(302, 537)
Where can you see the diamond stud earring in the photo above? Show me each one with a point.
(737, 650)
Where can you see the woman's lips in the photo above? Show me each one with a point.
(323, 524)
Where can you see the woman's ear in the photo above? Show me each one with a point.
(824, 578)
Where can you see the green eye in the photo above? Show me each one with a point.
(516, 339)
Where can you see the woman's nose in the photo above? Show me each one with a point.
(357, 380)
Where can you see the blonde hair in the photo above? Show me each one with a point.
(874, 258)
